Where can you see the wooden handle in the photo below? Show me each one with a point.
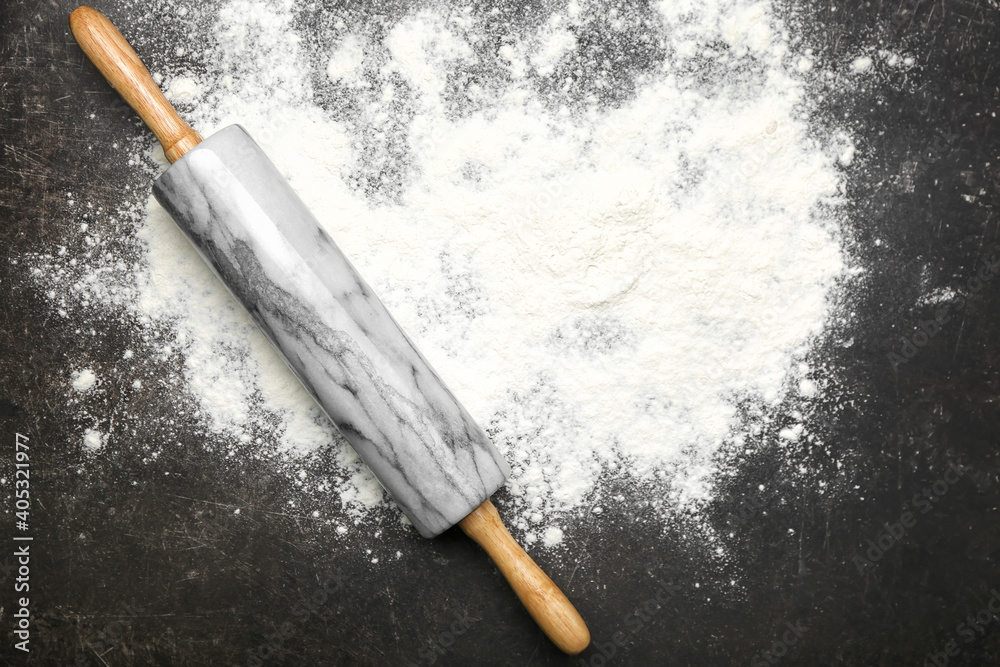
(555, 614)
(119, 64)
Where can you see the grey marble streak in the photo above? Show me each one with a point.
(334, 333)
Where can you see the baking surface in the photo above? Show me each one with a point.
(140, 562)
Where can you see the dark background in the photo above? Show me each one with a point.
(145, 563)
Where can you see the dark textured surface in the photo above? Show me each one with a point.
(147, 564)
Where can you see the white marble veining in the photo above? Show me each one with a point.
(334, 333)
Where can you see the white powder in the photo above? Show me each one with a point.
(182, 89)
(808, 388)
(552, 47)
(791, 433)
(346, 60)
(552, 536)
(602, 255)
(93, 440)
(938, 295)
(862, 64)
(84, 380)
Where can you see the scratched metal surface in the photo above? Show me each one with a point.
(160, 572)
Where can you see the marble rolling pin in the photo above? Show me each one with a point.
(334, 333)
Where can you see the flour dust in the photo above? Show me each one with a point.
(609, 228)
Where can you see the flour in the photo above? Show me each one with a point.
(182, 89)
(552, 48)
(862, 64)
(93, 440)
(603, 251)
(84, 380)
(344, 63)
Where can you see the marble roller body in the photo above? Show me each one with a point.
(331, 329)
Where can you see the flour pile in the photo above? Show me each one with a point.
(605, 227)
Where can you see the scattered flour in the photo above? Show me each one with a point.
(862, 64)
(552, 536)
(93, 440)
(610, 232)
(182, 89)
(938, 295)
(346, 60)
(808, 388)
(552, 48)
(84, 380)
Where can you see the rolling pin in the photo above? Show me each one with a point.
(330, 328)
